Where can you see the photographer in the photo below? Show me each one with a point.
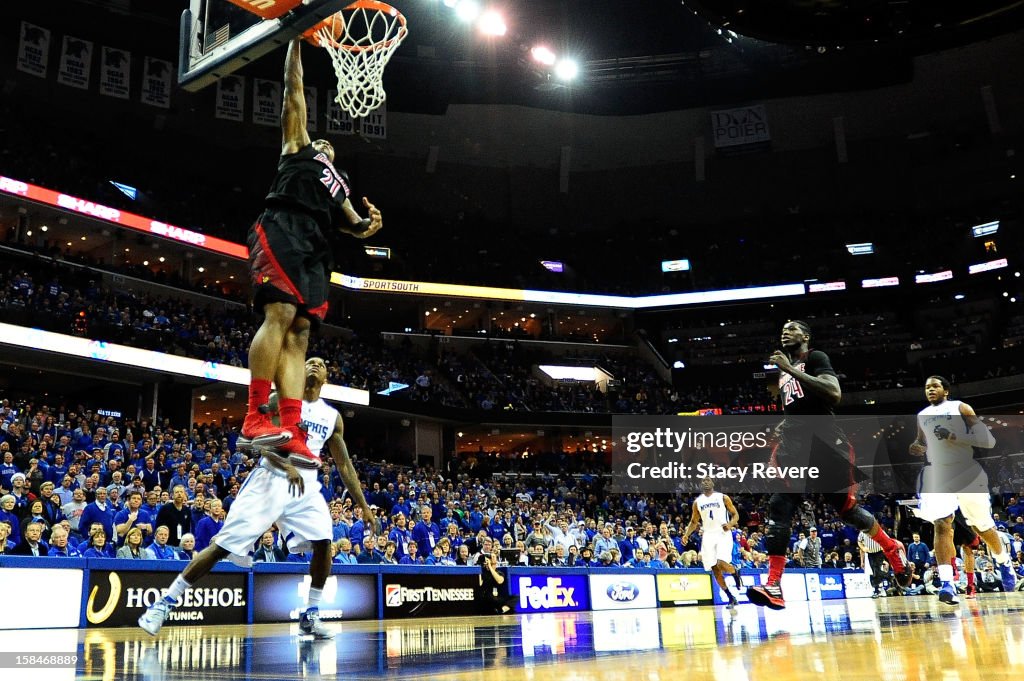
(492, 594)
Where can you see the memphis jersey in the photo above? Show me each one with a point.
(712, 511)
(941, 451)
(319, 419)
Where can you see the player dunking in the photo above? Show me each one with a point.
(285, 492)
(289, 263)
(947, 433)
(719, 516)
(809, 390)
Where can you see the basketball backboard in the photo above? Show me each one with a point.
(221, 36)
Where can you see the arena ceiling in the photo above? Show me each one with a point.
(635, 57)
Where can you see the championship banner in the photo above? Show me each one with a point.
(426, 595)
(75, 63)
(33, 49)
(156, 83)
(230, 98)
(115, 71)
(266, 102)
(310, 93)
(338, 121)
(375, 123)
(684, 589)
(281, 597)
(118, 598)
(736, 127)
(551, 592)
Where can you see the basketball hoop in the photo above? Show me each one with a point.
(360, 39)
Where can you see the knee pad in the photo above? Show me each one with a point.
(859, 518)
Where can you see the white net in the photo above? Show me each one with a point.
(360, 50)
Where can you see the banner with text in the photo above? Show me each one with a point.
(622, 591)
(119, 597)
(684, 588)
(744, 125)
(34, 49)
(553, 592)
(156, 83)
(75, 62)
(375, 123)
(266, 102)
(115, 72)
(230, 98)
(338, 121)
(427, 595)
(281, 597)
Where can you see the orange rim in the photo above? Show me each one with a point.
(364, 4)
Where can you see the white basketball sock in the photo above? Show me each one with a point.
(945, 573)
(177, 589)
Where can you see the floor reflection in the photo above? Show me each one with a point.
(892, 640)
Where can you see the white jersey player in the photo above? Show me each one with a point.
(947, 433)
(284, 491)
(719, 516)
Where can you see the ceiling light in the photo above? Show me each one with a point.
(567, 69)
(543, 55)
(491, 23)
(467, 10)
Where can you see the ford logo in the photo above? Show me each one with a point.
(623, 592)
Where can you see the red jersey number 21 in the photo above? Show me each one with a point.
(330, 181)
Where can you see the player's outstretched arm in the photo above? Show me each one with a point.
(293, 114)
(339, 452)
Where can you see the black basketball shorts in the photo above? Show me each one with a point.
(288, 262)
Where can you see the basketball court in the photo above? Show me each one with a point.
(891, 639)
(913, 638)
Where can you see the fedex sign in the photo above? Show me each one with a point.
(550, 593)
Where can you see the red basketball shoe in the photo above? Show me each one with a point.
(901, 567)
(769, 595)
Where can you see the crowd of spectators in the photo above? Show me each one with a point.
(496, 377)
(869, 350)
(74, 483)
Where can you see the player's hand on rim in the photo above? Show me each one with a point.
(917, 449)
